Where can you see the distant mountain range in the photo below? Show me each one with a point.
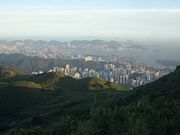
(53, 103)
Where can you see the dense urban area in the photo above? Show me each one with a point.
(118, 70)
(57, 49)
(126, 70)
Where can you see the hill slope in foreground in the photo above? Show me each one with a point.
(55, 104)
(23, 96)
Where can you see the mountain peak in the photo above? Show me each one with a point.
(94, 83)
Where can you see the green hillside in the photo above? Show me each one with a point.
(27, 84)
(23, 97)
(94, 83)
(8, 72)
(56, 104)
(54, 80)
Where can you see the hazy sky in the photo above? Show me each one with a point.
(97, 18)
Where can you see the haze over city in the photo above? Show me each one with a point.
(89, 67)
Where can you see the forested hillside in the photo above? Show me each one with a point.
(56, 104)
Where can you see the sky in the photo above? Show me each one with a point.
(93, 18)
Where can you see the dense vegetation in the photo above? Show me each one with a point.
(65, 106)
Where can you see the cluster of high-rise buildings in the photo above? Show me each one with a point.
(127, 74)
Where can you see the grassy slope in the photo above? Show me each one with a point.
(7, 72)
(94, 83)
(52, 94)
